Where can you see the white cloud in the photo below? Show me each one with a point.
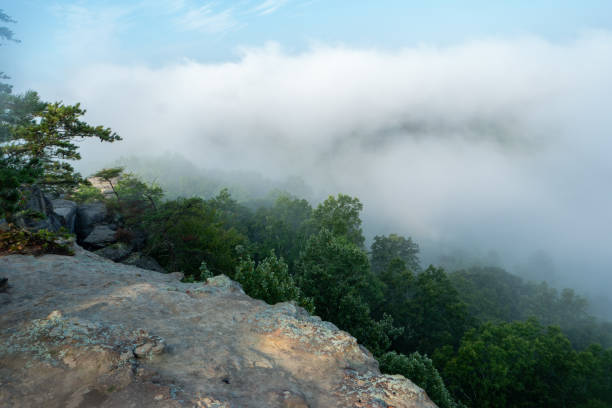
(269, 6)
(502, 144)
(90, 32)
(207, 19)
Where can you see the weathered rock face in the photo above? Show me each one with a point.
(88, 215)
(100, 236)
(143, 261)
(38, 203)
(66, 210)
(83, 331)
(103, 185)
(115, 252)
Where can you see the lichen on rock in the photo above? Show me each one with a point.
(85, 331)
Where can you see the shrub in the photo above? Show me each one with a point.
(21, 241)
(270, 281)
(421, 371)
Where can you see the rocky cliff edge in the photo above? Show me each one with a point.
(83, 331)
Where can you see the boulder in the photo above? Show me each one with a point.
(143, 261)
(87, 216)
(115, 252)
(100, 236)
(83, 331)
(66, 210)
(38, 202)
(38, 212)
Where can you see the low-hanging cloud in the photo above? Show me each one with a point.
(496, 144)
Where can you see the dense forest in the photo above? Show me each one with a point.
(478, 337)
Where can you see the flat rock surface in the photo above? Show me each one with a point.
(83, 331)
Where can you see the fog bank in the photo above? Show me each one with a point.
(494, 145)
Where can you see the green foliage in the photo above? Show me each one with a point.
(12, 177)
(385, 249)
(110, 175)
(45, 134)
(340, 216)
(520, 364)
(283, 228)
(205, 273)
(183, 232)
(36, 140)
(421, 371)
(494, 295)
(336, 274)
(398, 285)
(21, 241)
(85, 193)
(230, 212)
(597, 364)
(135, 198)
(270, 281)
(434, 316)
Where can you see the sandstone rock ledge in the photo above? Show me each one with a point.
(83, 331)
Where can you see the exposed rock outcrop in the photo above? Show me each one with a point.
(83, 331)
(102, 235)
(143, 261)
(39, 212)
(88, 215)
(66, 210)
(115, 252)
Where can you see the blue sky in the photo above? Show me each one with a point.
(59, 35)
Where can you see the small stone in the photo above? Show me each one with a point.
(54, 315)
(177, 275)
(143, 350)
(159, 397)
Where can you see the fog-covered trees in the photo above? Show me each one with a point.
(340, 216)
(283, 227)
(335, 273)
(385, 249)
(494, 295)
(182, 233)
(522, 364)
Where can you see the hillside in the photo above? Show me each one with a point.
(83, 331)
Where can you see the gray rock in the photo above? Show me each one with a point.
(100, 236)
(38, 201)
(115, 252)
(143, 261)
(87, 216)
(39, 212)
(222, 281)
(66, 211)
